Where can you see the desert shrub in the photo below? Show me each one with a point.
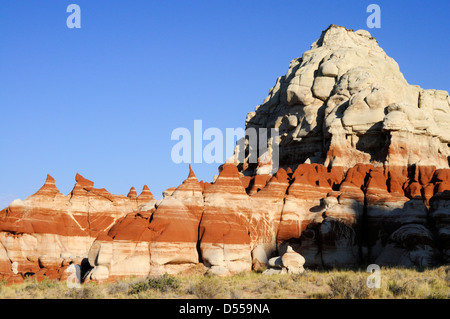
(2, 285)
(85, 292)
(447, 274)
(162, 283)
(31, 284)
(317, 295)
(348, 287)
(266, 284)
(138, 287)
(207, 288)
(118, 288)
(401, 289)
(300, 277)
(437, 295)
(395, 283)
(236, 293)
(284, 282)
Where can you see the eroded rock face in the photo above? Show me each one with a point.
(48, 225)
(364, 178)
(162, 240)
(367, 215)
(267, 209)
(345, 102)
(225, 242)
(410, 245)
(440, 214)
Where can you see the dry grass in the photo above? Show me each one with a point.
(341, 284)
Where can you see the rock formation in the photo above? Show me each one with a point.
(225, 226)
(164, 239)
(345, 102)
(48, 230)
(291, 262)
(363, 178)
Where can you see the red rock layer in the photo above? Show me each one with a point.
(170, 234)
(177, 219)
(145, 196)
(311, 183)
(266, 215)
(132, 194)
(49, 224)
(226, 221)
(332, 218)
(259, 182)
(224, 228)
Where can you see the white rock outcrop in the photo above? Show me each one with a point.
(291, 262)
(345, 102)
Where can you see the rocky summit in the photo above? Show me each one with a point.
(363, 177)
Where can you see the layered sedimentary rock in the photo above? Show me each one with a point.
(224, 229)
(162, 240)
(363, 218)
(48, 230)
(267, 208)
(362, 177)
(346, 105)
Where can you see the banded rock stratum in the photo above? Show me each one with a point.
(363, 178)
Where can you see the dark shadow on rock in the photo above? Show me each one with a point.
(376, 227)
(85, 268)
(374, 142)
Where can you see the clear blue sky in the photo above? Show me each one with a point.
(103, 100)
